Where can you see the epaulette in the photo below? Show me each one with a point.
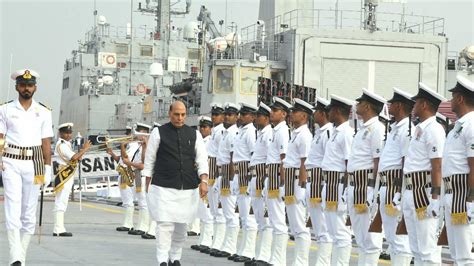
(6, 102)
(47, 107)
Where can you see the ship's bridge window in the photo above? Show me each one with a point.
(223, 82)
(121, 49)
(249, 80)
(65, 83)
(146, 50)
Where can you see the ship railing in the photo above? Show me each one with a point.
(343, 19)
(142, 32)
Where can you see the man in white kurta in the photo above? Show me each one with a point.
(175, 166)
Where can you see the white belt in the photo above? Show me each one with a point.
(20, 152)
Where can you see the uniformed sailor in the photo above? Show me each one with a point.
(295, 179)
(176, 166)
(25, 141)
(217, 116)
(257, 165)
(229, 188)
(126, 181)
(204, 212)
(390, 172)
(362, 166)
(244, 144)
(315, 183)
(334, 166)
(275, 204)
(458, 174)
(136, 164)
(422, 173)
(64, 178)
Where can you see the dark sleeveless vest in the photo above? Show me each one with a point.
(175, 158)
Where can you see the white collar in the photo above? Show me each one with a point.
(425, 123)
(297, 130)
(466, 117)
(281, 124)
(370, 121)
(342, 126)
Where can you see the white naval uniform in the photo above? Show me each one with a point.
(458, 147)
(366, 146)
(426, 143)
(172, 209)
(23, 128)
(298, 148)
(395, 149)
(259, 157)
(337, 152)
(275, 205)
(229, 201)
(213, 195)
(318, 217)
(243, 146)
(64, 152)
(127, 193)
(204, 213)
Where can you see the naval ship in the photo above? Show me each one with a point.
(119, 76)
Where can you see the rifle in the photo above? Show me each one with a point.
(41, 214)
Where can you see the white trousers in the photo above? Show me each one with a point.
(399, 244)
(216, 212)
(204, 213)
(62, 197)
(276, 215)
(170, 239)
(296, 218)
(459, 236)
(228, 208)
(258, 205)
(339, 232)
(318, 219)
(422, 234)
(368, 243)
(128, 194)
(21, 195)
(248, 220)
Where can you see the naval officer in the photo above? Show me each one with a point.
(25, 140)
(334, 166)
(276, 153)
(315, 183)
(458, 173)
(176, 164)
(390, 172)
(295, 179)
(422, 172)
(244, 144)
(64, 179)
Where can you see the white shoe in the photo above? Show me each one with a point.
(16, 249)
(264, 245)
(278, 257)
(218, 239)
(341, 255)
(323, 255)
(301, 251)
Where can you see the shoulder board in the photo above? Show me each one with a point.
(45, 106)
(6, 102)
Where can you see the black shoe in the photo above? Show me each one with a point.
(213, 252)
(174, 263)
(191, 233)
(232, 257)
(148, 236)
(292, 238)
(222, 254)
(250, 262)
(261, 263)
(163, 264)
(16, 263)
(384, 256)
(136, 232)
(242, 259)
(206, 251)
(196, 247)
(68, 234)
(412, 262)
(123, 229)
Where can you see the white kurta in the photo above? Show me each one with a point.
(169, 204)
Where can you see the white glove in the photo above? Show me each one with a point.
(470, 211)
(47, 175)
(373, 210)
(396, 201)
(370, 196)
(433, 208)
(265, 188)
(323, 197)
(281, 191)
(234, 186)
